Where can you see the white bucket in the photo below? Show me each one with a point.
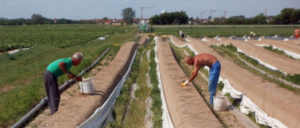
(86, 86)
(220, 103)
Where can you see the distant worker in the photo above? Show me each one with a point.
(181, 34)
(200, 61)
(53, 71)
(252, 34)
(296, 33)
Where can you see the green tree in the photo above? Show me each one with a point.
(37, 19)
(170, 18)
(287, 16)
(259, 19)
(295, 17)
(128, 15)
(105, 18)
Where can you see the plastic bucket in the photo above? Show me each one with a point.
(220, 103)
(86, 86)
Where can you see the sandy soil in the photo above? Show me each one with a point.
(229, 117)
(281, 44)
(277, 102)
(296, 42)
(143, 39)
(283, 63)
(67, 94)
(186, 107)
(78, 107)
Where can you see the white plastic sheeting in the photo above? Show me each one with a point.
(229, 89)
(261, 62)
(217, 38)
(261, 117)
(292, 54)
(17, 50)
(166, 118)
(101, 38)
(186, 39)
(186, 45)
(100, 114)
(246, 104)
(205, 39)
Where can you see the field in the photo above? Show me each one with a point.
(61, 36)
(21, 83)
(139, 103)
(226, 30)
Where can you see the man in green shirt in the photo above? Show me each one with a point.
(54, 70)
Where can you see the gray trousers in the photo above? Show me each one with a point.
(52, 90)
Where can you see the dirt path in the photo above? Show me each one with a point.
(67, 95)
(143, 39)
(277, 102)
(269, 75)
(231, 118)
(295, 41)
(186, 107)
(78, 107)
(278, 61)
(281, 44)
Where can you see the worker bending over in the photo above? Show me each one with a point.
(200, 61)
(296, 33)
(54, 70)
(181, 34)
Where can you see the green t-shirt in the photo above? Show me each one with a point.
(55, 69)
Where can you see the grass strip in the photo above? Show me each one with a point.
(124, 96)
(155, 93)
(25, 79)
(229, 52)
(277, 51)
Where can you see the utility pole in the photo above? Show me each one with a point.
(265, 12)
(225, 12)
(211, 12)
(202, 14)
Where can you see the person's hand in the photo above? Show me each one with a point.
(79, 78)
(184, 83)
(71, 76)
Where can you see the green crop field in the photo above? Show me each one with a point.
(21, 82)
(61, 36)
(226, 30)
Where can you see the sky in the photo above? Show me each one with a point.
(97, 9)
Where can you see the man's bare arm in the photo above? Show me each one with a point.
(194, 73)
(62, 66)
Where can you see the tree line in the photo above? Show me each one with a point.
(170, 18)
(287, 16)
(39, 19)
